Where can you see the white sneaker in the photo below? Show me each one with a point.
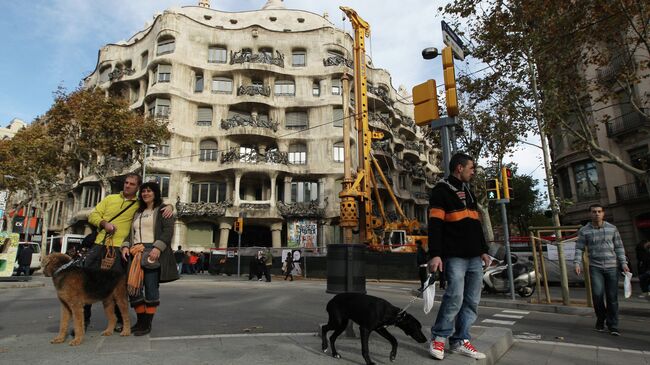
(466, 348)
(437, 348)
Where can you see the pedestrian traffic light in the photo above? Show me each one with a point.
(492, 188)
(426, 102)
(450, 81)
(506, 178)
(239, 225)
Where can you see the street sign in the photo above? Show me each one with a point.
(451, 39)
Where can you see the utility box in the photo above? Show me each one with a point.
(346, 268)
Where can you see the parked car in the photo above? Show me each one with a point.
(36, 256)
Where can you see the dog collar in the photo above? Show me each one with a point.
(63, 267)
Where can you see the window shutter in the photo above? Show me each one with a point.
(296, 119)
(338, 117)
(205, 115)
(164, 69)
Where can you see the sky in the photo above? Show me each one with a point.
(52, 43)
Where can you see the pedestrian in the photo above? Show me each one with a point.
(456, 247)
(421, 260)
(186, 263)
(192, 263)
(113, 216)
(179, 255)
(254, 269)
(268, 264)
(152, 260)
(288, 266)
(643, 260)
(199, 262)
(24, 259)
(606, 257)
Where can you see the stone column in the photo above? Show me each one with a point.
(236, 199)
(224, 231)
(287, 190)
(321, 191)
(180, 235)
(276, 235)
(274, 176)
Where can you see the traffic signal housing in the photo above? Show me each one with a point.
(426, 102)
(239, 225)
(450, 81)
(506, 178)
(492, 188)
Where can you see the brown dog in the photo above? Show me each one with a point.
(76, 286)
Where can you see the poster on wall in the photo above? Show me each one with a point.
(302, 233)
(8, 250)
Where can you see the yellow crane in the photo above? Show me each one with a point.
(357, 194)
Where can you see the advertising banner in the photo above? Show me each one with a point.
(302, 233)
(8, 250)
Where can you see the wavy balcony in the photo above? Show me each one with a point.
(201, 209)
(239, 121)
(252, 90)
(270, 157)
(310, 209)
(338, 61)
(264, 58)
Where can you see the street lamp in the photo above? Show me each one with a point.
(145, 147)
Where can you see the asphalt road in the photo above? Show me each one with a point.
(205, 305)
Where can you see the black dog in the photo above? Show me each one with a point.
(371, 314)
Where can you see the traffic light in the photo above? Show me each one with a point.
(450, 81)
(492, 187)
(506, 177)
(426, 102)
(239, 225)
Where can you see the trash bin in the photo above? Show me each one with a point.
(346, 268)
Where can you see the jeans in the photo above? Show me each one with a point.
(604, 294)
(149, 293)
(179, 266)
(459, 307)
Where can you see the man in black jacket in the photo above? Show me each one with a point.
(25, 259)
(457, 246)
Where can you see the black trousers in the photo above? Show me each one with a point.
(93, 260)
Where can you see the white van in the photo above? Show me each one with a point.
(64, 243)
(36, 256)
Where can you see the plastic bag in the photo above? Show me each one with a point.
(429, 293)
(627, 284)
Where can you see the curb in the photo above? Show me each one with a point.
(21, 285)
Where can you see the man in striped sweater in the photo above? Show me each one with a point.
(606, 258)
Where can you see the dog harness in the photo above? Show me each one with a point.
(71, 263)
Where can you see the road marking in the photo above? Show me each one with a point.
(406, 288)
(496, 321)
(577, 345)
(507, 316)
(514, 311)
(386, 287)
(234, 335)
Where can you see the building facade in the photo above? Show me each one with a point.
(581, 181)
(254, 103)
(12, 128)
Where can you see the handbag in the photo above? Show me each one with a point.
(109, 258)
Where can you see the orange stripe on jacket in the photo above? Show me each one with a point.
(462, 214)
(437, 213)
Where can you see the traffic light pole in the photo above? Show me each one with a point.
(446, 126)
(239, 255)
(506, 241)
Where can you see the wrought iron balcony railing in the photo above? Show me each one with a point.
(273, 156)
(118, 73)
(635, 190)
(201, 209)
(253, 90)
(383, 94)
(302, 209)
(245, 56)
(627, 123)
(239, 121)
(338, 60)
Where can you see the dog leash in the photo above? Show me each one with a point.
(72, 262)
(403, 310)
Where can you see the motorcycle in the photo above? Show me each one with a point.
(495, 277)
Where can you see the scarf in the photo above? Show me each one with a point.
(136, 274)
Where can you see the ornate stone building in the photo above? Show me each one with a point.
(254, 104)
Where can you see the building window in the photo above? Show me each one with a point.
(304, 191)
(297, 120)
(208, 150)
(586, 176)
(337, 115)
(339, 152)
(285, 88)
(56, 213)
(298, 58)
(90, 196)
(217, 54)
(565, 184)
(315, 89)
(298, 154)
(208, 192)
(160, 108)
(165, 45)
(163, 149)
(336, 87)
(103, 74)
(198, 83)
(222, 85)
(163, 181)
(164, 73)
(204, 116)
(144, 60)
(402, 181)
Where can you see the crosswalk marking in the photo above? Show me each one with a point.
(496, 321)
(514, 311)
(513, 316)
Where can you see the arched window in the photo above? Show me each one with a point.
(209, 151)
(298, 154)
(165, 45)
